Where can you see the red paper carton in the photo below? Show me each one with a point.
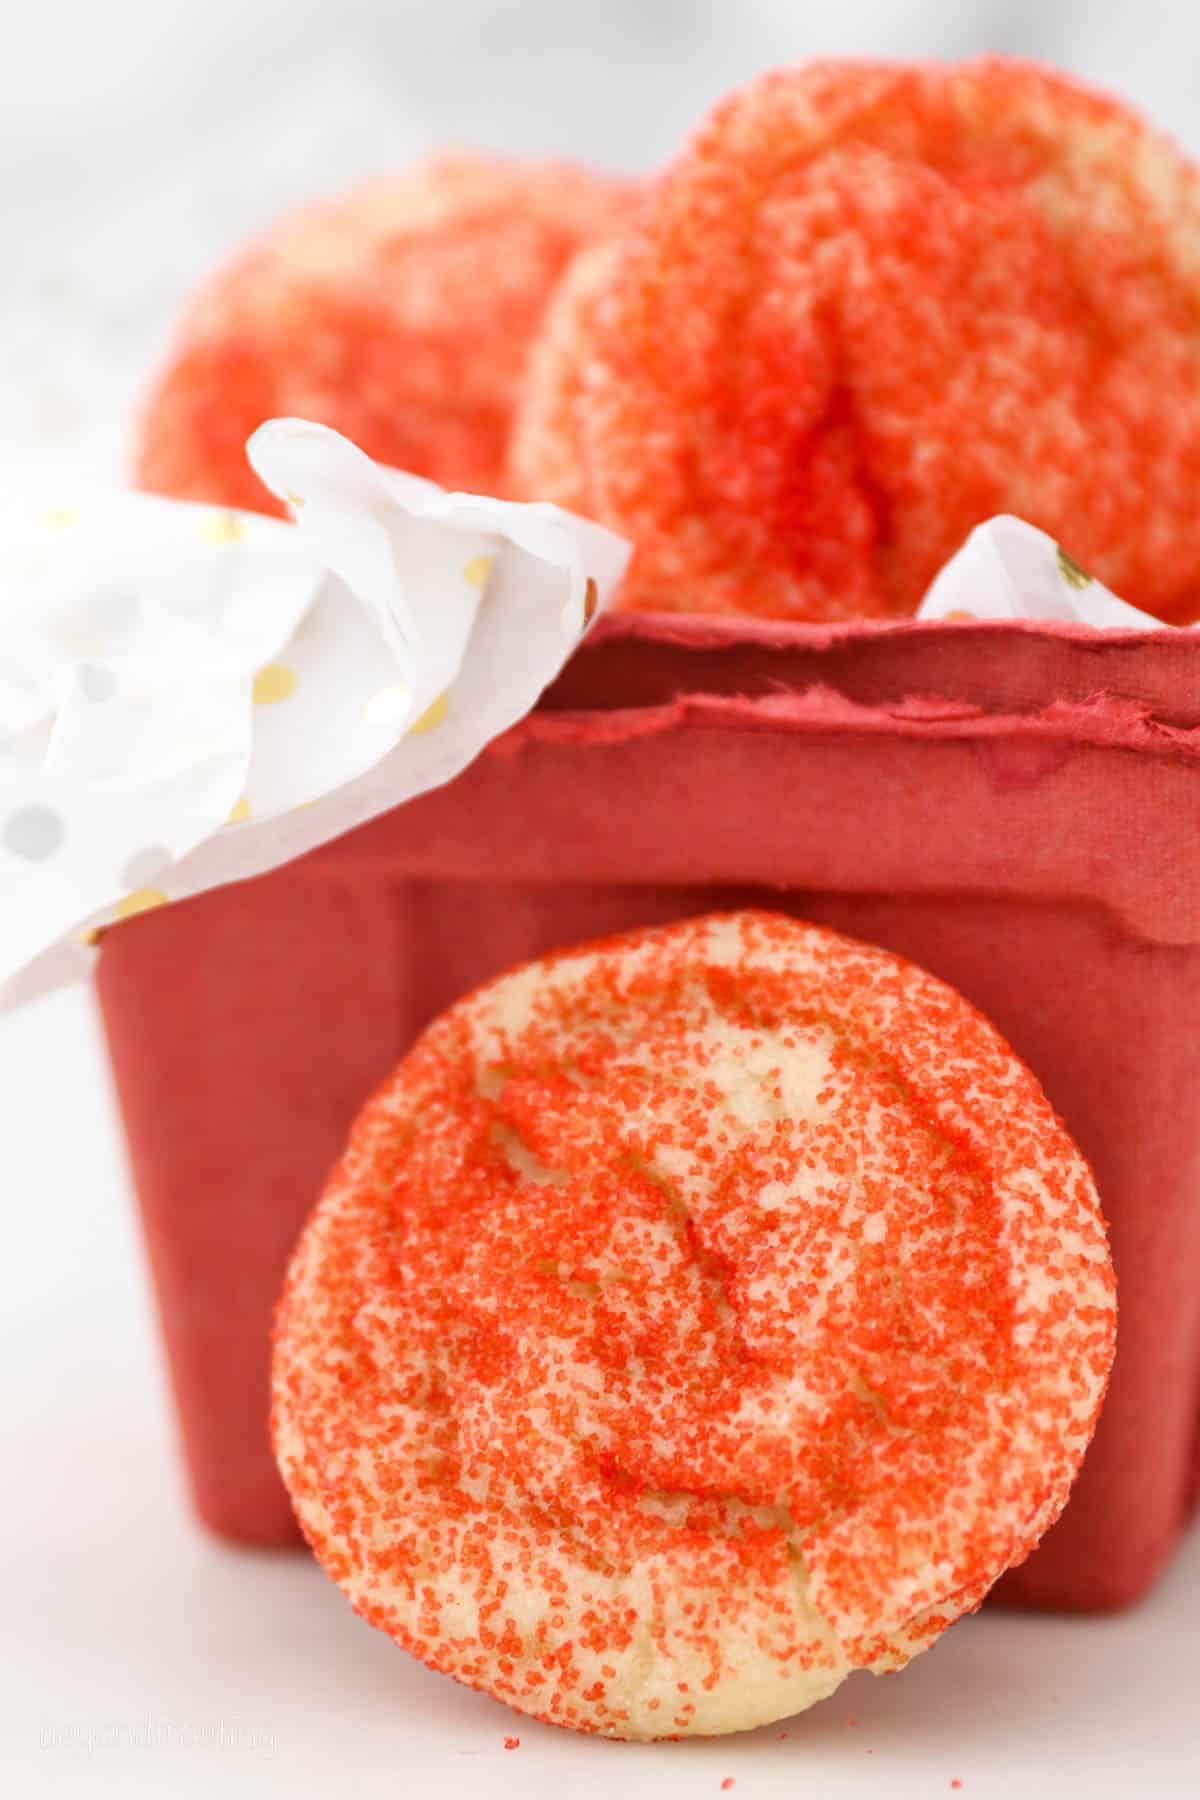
(1014, 806)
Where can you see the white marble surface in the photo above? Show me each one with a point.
(136, 140)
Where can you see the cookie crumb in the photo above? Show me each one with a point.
(512, 1743)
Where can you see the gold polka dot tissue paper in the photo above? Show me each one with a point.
(1009, 569)
(189, 695)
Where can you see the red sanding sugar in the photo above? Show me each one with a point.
(671, 1289)
(867, 308)
(399, 314)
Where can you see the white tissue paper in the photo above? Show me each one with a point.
(1010, 570)
(189, 695)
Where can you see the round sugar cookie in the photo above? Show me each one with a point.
(867, 308)
(399, 313)
(695, 1317)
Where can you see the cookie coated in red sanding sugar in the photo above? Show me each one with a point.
(869, 307)
(400, 314)
(694, 1318)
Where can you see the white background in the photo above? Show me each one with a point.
(137, 139)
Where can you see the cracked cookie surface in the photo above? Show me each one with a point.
(694, 1317)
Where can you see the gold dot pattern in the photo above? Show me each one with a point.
(222, 528)
(273, 683)
(115, 614)
(433, 715)
(1071, 572)
(478, 570)
(141, 900)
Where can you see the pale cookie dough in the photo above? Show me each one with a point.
(694, 1318)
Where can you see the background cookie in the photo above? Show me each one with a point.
(399, 314)
(869, 307)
